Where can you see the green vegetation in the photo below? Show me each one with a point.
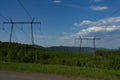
(103, 64)
(25, 53)
(62, 70)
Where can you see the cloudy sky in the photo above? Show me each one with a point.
(62, 21)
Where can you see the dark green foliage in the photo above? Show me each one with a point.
(13, 52)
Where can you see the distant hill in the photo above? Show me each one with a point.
(73, 49)
(55, 48)
(19, 46)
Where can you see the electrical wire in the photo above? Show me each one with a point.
(111, 15)
(116, 11)
(3, 29)
(3, 17)
(27, 12)
(24, 32)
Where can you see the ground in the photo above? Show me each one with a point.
(12, 75)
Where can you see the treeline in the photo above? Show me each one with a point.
(14, 52)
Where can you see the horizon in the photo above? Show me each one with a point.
(62, 46)
(62, 21)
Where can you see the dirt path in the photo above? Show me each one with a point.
(10, 75)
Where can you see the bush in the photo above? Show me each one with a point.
(27, 54)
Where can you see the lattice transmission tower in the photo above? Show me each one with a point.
(12, 23)
(87, 38)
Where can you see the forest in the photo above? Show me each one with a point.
(23, 53)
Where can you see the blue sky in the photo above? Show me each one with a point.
(63, 21)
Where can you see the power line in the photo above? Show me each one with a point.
(6, 30)
(87, 38)
(31, 25)
(111, 15)
(24, 9)
(27, 36)
(116, 11)
(15, 38)
(24, 32)
(3, 17)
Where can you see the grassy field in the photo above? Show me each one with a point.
(62, 70)
(20, 57)
(21, 53)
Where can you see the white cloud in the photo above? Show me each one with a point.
(99, 8)
(73, 6)
(98, 0)
(65, 33)
(76, 25)
(86, 23)
(64, 38)
(95, 29)
(57, 1)
(102, 22)
(40, 36)
(103, 25)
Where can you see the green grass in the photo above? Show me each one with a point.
(62, 70)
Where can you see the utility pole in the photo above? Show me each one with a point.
(87, 38)
(80, 39)
(32, 32)
(11, 32)
(12, 26)
(80, 45)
